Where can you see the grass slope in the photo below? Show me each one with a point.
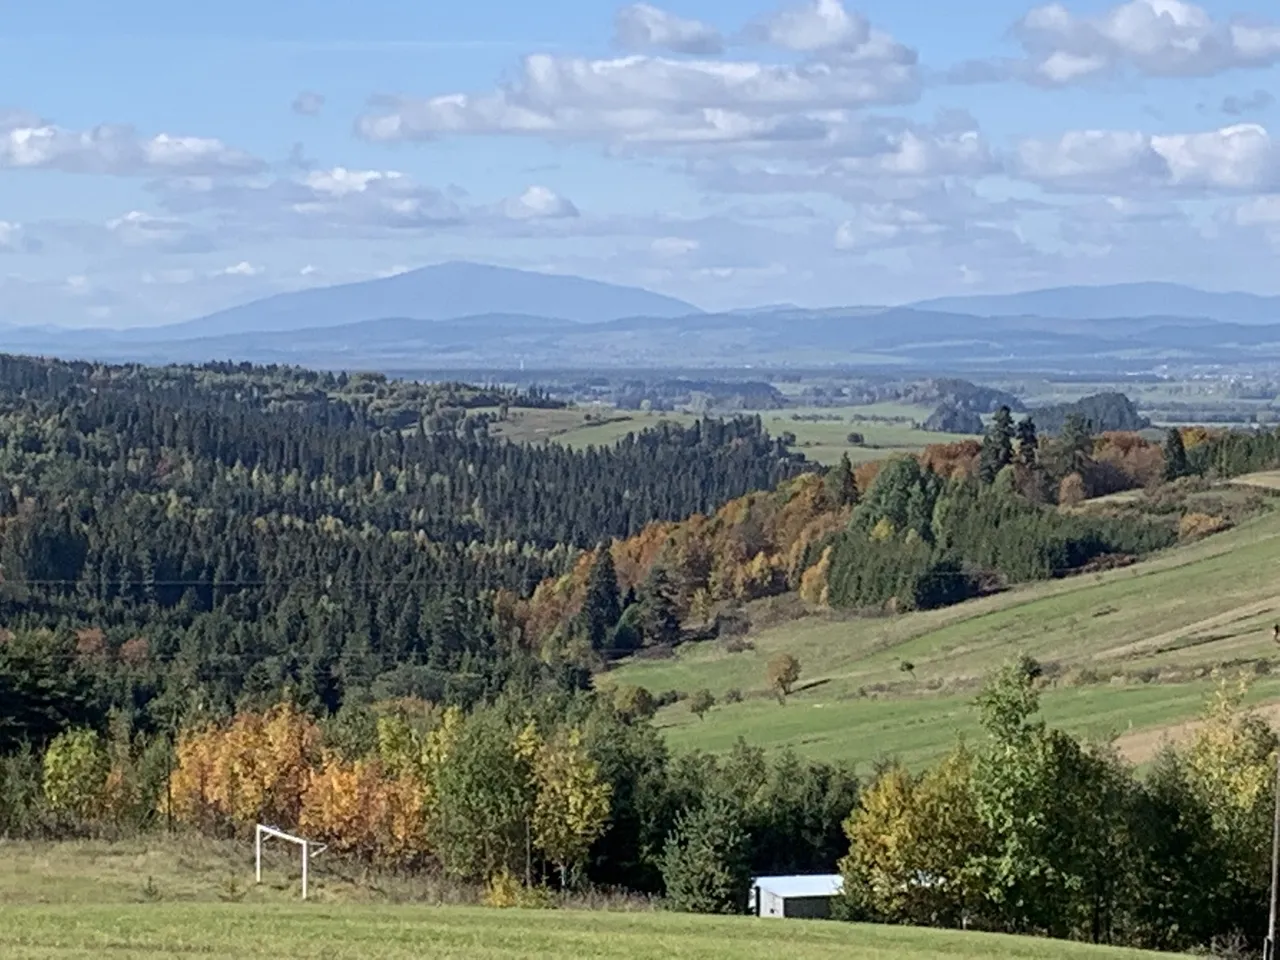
(75, 901)
(1134, 648)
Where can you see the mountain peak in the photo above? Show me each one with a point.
(441, 291)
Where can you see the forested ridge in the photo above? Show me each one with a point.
(250, 527)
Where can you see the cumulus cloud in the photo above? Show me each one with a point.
(818, 25)
(641, 26)
(1156, 38)
(28, 142)
(539, 203)
(308, 103)
(1236, 158)
(645, 99)
(346, 202)
(656, 100)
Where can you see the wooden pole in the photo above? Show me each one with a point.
(1269, 950)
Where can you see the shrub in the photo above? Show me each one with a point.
(1195, 525)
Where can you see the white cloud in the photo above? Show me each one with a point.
(341, 202)
(655, 100)
(241, 269)
(27, 142)
(136, 229)
(539, 203)
(338, 200)
(641, 26)
(12, 237)
(1236, 158)
(308, 103)
(816, 26)
(1158, 38)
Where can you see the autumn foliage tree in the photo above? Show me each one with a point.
(782, 674)
(254, 770)
(571, 801)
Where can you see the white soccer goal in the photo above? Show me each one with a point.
(309, 850)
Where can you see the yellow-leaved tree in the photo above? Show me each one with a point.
(1231, 765)
(571, 805)
(911, 841)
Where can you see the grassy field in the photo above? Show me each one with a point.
(1132, 649)
(75, 901)
(382, 933)
(887, 428)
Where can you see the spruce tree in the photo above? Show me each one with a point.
(840, 484)
(602, 607)
(997, 446)
(660, 620)
(1028, 443)
(1175, 455)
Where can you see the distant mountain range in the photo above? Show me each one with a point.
(467, 316)
(1120, 300)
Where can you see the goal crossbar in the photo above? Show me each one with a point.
(309, 850)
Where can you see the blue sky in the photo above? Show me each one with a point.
(161, 160)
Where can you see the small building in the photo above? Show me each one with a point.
(807, 897)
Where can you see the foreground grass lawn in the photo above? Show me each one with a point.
(445, 933)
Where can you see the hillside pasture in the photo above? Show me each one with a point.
(1126, 650)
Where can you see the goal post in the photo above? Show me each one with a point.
(309, 850)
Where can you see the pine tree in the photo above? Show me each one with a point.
(997, 446)
(602, 607)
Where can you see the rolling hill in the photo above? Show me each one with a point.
(1132, 651)
(1117, 300)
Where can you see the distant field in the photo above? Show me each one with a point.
(1134, 647)
(85, 901)
(886, 428)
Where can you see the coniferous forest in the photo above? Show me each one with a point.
(340, 604)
